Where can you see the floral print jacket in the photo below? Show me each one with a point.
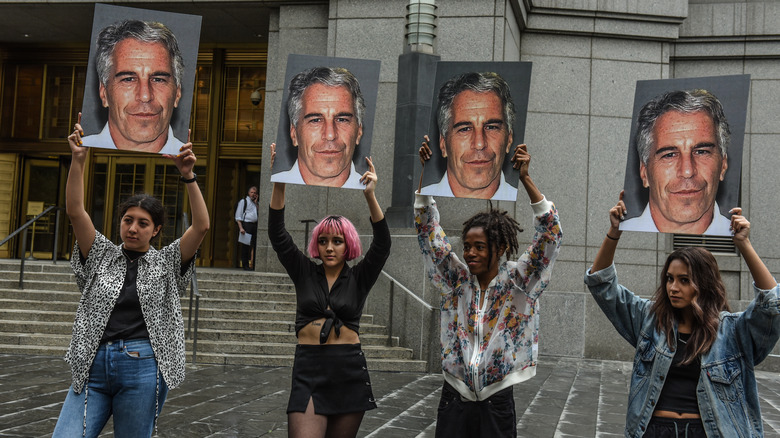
(485, 350)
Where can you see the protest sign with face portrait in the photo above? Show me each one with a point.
(326, 121)
(685, 156)
(478, 117)
(140, 77)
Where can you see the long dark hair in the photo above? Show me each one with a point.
(710, 300)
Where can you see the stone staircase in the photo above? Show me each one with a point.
(245, 318)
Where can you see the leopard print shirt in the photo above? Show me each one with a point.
(159, 285)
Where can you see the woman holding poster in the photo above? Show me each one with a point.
(331, 389)
(127, 347)
(694, 365)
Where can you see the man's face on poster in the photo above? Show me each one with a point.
(140, 94)
(477, 140)
(683, 170)
(326, 135)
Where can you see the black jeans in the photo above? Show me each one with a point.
(494, 417)
(246, 250)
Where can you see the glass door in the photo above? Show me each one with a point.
(118, 178)
(41, 190)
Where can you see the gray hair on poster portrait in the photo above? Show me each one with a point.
(479, 117)
(330, 77)
(683, 171)
(140, 77)
(487, 82)
(326, 121)
(146, 31)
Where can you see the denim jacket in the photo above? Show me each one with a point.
(726, 392)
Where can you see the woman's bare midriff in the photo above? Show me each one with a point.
(310, 334)
(678, 415)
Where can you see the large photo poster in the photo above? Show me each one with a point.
(140, 79)
(685, 157)
(326, 121)
(477, 119)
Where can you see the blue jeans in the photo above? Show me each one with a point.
(124, 382)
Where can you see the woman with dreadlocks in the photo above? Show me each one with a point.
(331, 389)
(489, 320)
(693, 368)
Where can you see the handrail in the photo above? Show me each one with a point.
(27, 224)
(426, 338)
(23, 230)
(193, 292)
(409, 292)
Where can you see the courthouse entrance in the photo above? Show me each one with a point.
(116, 178)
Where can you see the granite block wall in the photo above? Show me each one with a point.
(587, 56)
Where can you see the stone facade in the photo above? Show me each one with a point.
(587, 56)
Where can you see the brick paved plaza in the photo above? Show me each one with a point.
(567, 398)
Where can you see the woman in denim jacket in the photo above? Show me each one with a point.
(687, 336)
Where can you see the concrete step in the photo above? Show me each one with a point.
(60, 341)
(43, 327)
(37, 315)
(39, 295)
(233, 276)
(36, 305)
(12, 265)
(37, 350)
(374, 364)
(245, 318)
(64, 277)
(249, 295)
(69, 286)
(205, 283)
(221, 303)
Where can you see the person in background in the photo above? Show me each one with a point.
(246, 218)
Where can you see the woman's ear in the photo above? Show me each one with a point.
(156, 231)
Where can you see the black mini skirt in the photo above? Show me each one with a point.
(335, 377)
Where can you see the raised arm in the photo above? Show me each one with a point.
(758, 270)
(444, 268)
(521, 161)
(83, 228)
(759, 325)
(606, 254)
(277, 192)
(370, 179)
(193, 236)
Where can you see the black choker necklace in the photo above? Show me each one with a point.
(131, 260)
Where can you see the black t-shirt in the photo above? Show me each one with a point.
(679, 391)
(127, 319)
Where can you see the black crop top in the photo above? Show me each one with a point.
(679, 391)
(349, 291)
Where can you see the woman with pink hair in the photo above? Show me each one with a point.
(331, 389)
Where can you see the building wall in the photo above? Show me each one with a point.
(587, 57)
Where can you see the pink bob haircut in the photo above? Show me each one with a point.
(336, 225)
